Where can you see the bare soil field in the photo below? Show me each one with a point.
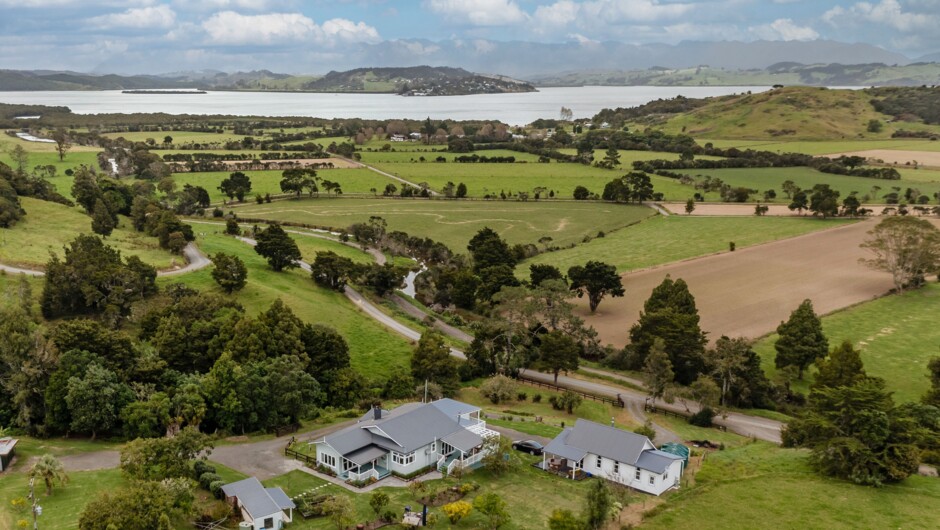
(747, 293)
(337, 163)
(890, 156)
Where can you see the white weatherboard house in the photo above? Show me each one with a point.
(264, 508)
(443, 434)
(614, 454)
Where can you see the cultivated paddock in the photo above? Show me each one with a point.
(748, 292)
(726, 209)
(891, 156)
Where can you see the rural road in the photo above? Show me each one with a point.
(195, 260)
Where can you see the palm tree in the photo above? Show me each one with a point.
(49, 469)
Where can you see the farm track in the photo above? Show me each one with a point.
(747, 293)
(195, 260)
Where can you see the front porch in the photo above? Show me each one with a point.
(564, 467)
(364, 472)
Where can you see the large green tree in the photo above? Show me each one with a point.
(432, 361)
(95, 400)
(596, 280)
(856, 433)
(229, 272)
(800, 339)
(331, 270)
(557, 352)
(162, 458)
(296, 180)
(276, 246)
(236, 186)
(843, 367)
(670, 314)
(906, 247)
(489, 250)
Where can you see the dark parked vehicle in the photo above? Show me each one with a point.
(528, 446)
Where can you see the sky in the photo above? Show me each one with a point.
(136, 36)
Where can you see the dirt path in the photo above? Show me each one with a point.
(747, 293)
(195, 260)
(91, 461)
(386, 174)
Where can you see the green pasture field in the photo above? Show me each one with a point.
(825, 147)
(897, 336)
(309, 246)
(61, 509)
(661, 240)
(10, 289)
(764, 486)
(399, 156)
(531, 496)
(179, 137)
(373, 349)
(455, 222)
(48, 227)
(563, 178)
(763, 179)
(263, 182)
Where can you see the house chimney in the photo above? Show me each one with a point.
(377, 411)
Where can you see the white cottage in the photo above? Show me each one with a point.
(442, 434)
(614, 454)
(264, 508)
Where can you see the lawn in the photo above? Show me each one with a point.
(373, 349)
(455, 222)
(763, 179)
(897, 336)
(560, 177)
(60, 510)
(48, 227)
(519, 488)
(763, 486)
(309, 246)
(263, 182)
(662, 240)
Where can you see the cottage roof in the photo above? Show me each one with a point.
(609, 442)
(253, 497)
(560, 447)
(405, 428)
(7, 445)
(463, 439)
(366, 454)
(656, 461)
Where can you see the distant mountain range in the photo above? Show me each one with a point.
(784, 73)
(408, 81)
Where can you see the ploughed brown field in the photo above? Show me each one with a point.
(726, 209)
(891, 156)
(748, 293)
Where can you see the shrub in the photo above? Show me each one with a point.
(703, 418)
(468, 487)
(456, 511)
(536, 398)
(647, 430)
(217, 212)
(522, 396)
(208, 478)
(215, 488)
(200, 467)
(498, 389)
(389, 516)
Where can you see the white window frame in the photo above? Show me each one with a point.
(636, 475)
(600, 462)
(616, 467)
(328, 460)
(652, 479)
(403, 459)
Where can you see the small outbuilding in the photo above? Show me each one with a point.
(264, 508)
(7, 452)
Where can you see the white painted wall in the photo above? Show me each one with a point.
(626, 474)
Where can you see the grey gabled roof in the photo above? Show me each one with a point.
(463, 439)
(280, 498)
(366, 454)
(608, 442)
(403, 429)
(559, 447)
(252, 497)
(656, 461)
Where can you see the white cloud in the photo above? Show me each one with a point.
(620, 11)
(888, 12)
(784, 29)
(349, 31)
(229, 27)
(139, 17)
(605, 18)
(581, 39)
(479, 12)
(213, 5)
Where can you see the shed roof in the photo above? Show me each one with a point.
(280, 498)
(7, 445)
(253, 497)
(366, 454)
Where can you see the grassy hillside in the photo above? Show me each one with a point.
(47, 227)
(811, 113)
